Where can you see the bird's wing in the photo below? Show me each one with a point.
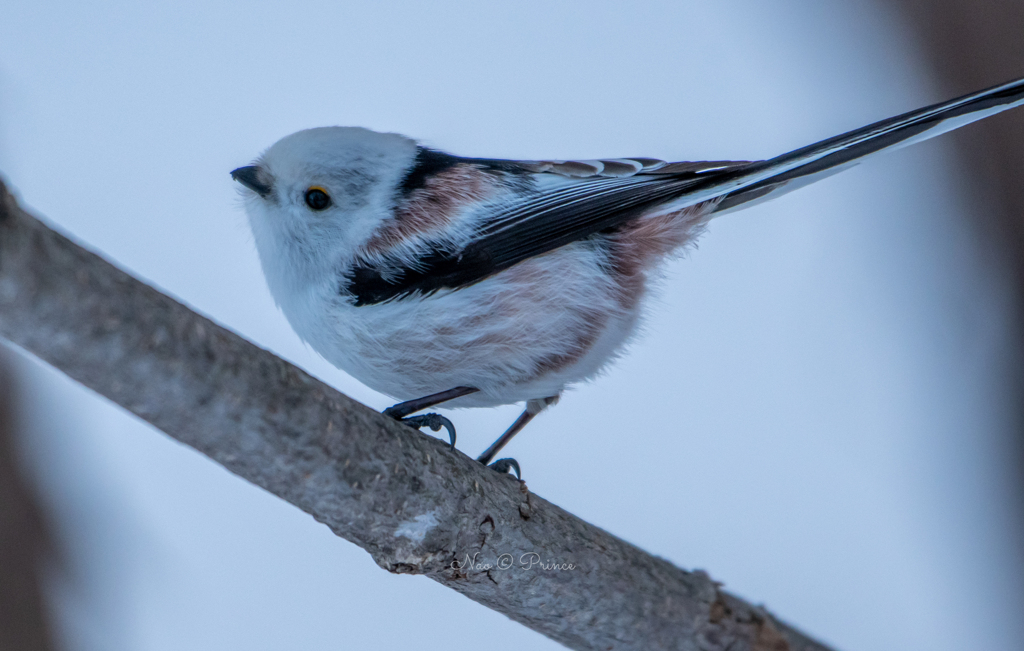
(599, 195)
(560, 202)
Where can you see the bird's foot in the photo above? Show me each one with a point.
(504, 465)
(433, 421)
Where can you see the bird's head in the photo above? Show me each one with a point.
(316, 196)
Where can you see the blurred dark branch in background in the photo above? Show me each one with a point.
(25, 543)
(973, 44)
(416, 506)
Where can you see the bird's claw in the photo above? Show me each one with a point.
(433, 421)
(504, 465)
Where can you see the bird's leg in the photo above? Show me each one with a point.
(533, 407)
(401, 411)
(513, 429)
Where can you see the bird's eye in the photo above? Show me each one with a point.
(317, 198)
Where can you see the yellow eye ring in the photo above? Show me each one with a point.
(317, 198)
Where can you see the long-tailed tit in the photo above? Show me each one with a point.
(481, 282)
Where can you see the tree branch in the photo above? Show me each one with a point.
(414, 505)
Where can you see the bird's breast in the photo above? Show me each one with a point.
(521, 334)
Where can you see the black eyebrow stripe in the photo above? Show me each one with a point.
(427, 163)
(430, 162)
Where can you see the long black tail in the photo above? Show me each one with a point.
(768, 179)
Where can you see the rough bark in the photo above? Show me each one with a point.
(413, 504)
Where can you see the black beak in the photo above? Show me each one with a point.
(250, 177)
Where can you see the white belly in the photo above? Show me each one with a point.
(525, 333)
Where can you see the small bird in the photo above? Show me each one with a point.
(478, 282)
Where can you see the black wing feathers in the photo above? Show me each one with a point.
(543, 222)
